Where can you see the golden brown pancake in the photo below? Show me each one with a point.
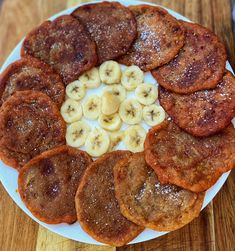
(98, 211)
(200, 64)
(187, 161)
(31, 74)
(202, 113)
(147, 202)
(30, 123)
(48, 183)
(64, 44)
(111, 25)
(160, 37)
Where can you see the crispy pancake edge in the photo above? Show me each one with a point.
(50, 153)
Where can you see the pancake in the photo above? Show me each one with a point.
(186, 161)
(31, 74)
(200, 64)
(30, 123)
(98, 211)
(64, 44)
(145, 201)
(111, 25)
(48, 183)
(160, 37)
(202, 113)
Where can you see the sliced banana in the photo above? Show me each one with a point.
(117, 90)
(97, 142)
(92, 107)
(91, 78)
(146, 94)
(130, 111)
(71, 111)
(153, 114)
(132, 77)
(109, 103)
(134, 138)
(75, 90)
(110, 72)
(115, 139)
(110, 122)
(76, 133)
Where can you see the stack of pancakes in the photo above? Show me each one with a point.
(119, 194)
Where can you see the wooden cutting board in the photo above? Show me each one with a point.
(213, 230)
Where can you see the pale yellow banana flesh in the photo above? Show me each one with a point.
(114, 116)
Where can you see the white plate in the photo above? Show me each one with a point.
(8, 175)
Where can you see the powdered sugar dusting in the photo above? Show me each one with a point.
(159, 39)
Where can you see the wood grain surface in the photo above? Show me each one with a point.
(213, 230)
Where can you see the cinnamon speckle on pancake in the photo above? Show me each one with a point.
(98, 211)
(48, 183)
(64, 44)
(160, 37)
(147, 202)
(31, 74)
(111, 25)
(30, 123)
(205, 112)
(187, 161)
(199, 65)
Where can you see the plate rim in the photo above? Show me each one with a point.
(147, 234)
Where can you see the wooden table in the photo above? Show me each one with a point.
(213, 230)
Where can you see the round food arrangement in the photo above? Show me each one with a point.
(117, 116)
(115, 122)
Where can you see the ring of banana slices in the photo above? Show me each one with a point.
(111, 107)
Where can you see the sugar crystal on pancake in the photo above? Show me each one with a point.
(147, 202)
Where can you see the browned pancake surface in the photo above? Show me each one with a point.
(200, 64)
(145, 201)
(160, 37)
(48, 183)
(64, 44)
(186, 161)
(111, 25)
(202, 113)
(30, 123)
(98, 211)
(31, 74)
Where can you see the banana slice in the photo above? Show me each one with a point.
(153, 114)
(134, 138)
(132, 77)
(92, 107)
(91, 78)
(111, 122)
(75, 90)
(117, 90)
(71, 111)
(146, 94)
(130, 111)
(110, 72)
(115, 139)
(76, 133)
(109, 103)
(97, 142)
